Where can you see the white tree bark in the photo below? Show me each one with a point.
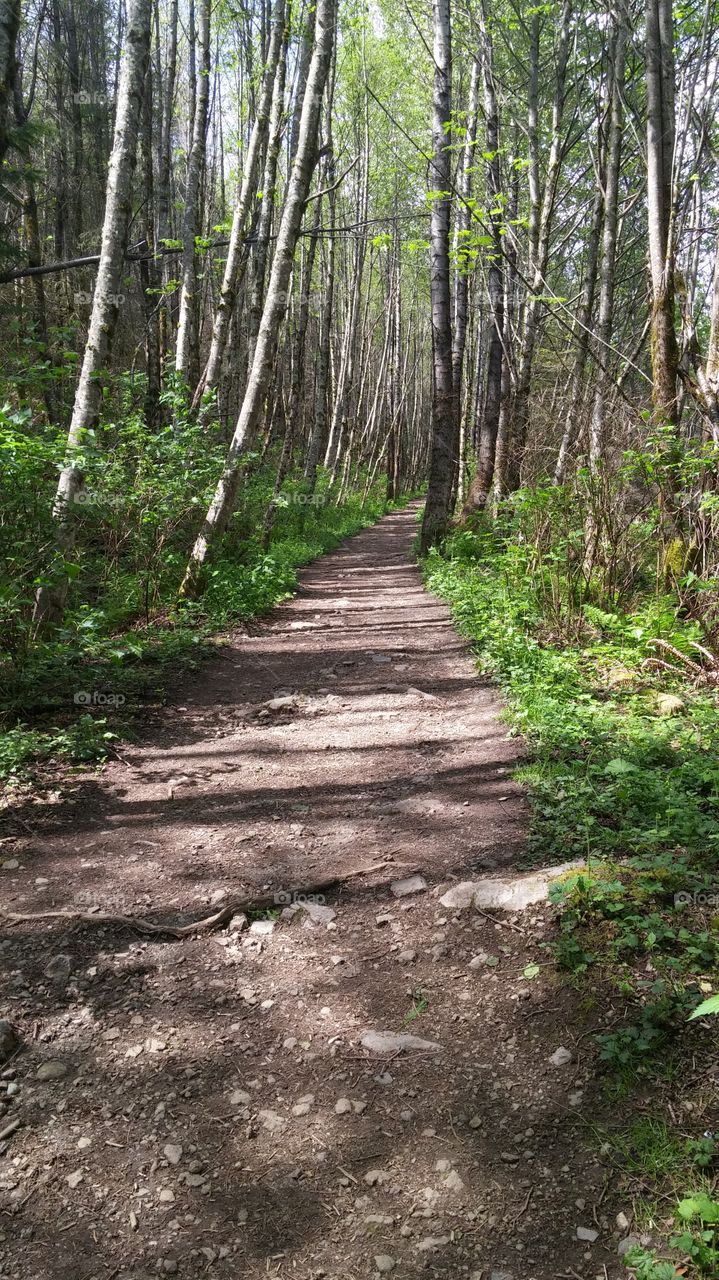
(185, 327)
(248, 186)
(258, 381)
(107, 296)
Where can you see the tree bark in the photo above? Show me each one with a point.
(50, 599)
(223, 502)
(184, 357)
(235, 253)
(660, 159)
(436, 511)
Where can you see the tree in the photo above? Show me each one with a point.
(444, 422)
(106, 298)
(275, 306)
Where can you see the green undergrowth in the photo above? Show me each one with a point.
(622, 766)
(73, 694)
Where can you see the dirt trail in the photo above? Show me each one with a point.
(214, 1112)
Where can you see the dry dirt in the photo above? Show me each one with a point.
(213, 1111)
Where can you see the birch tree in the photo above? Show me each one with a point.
(306, 156)
(444, 423)
(106, 298)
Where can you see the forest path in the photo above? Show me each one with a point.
(214, 1111)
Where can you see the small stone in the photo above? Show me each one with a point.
(384, 1262)
(359, 1107)
(412, 884)
(386, 1042)
(560, 1057)
(304, 1106)
(172, 1152)
(272, 1121)
(475, 1122)
(588, 1234)
(629, 1242)
(342, 1106)
(51, 1071)
(407, 957)
(575, 1099)
(453, 1182)
(166, 1196)
(375, 1177)
(218, 896)
(74, 1179)
(240, 1098)
(238, 923)
(262, 928)
(10, 864)
(430, 1243)
(622, 1221)
(84, 1143)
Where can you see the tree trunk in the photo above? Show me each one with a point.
(660, 158)
(50, 600)
(185, 352)
(228, 292)
(436, 512)
(481, 485)
(223, 502)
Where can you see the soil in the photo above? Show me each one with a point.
(211, 1110)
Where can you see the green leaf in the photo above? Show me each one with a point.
(707, 1006)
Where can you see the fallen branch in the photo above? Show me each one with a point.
(207, 923)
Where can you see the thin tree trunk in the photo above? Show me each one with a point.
(223, 502)
(50, 600)
(660, 159)
(186, 351)
(235, 252)
(436, 512)
(481, 485)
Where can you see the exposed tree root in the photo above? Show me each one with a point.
(205, 925)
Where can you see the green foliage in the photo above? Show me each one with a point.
(123, 640)
(614, 779)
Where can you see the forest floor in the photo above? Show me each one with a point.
(204, 1105)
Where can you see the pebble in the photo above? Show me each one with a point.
(74, 1179)
(342, 1106)
(304, 1106)
(407, 957)
(262, 928)
(240, 1098)
(384, 1262)
(238, 923)
(560, 1057)
(394, 1042)
(172, 1152)
(52, 1070)
(588, 1234)
(412, 884)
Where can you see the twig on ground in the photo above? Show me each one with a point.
(215, 921)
